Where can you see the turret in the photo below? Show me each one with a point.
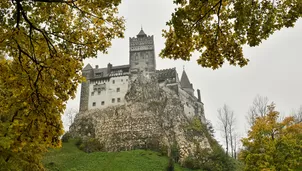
(185, 83)
(87, 72)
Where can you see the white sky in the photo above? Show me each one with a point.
(274, 69)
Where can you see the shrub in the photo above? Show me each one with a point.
(66, 137)
(175, 152)
(78, 142)
(191, 163)
(163, 150)
(90, 145)
(170, 166)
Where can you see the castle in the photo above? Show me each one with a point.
(108, 86)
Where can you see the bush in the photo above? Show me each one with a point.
(78, 142)
(89, 145)
(191, 163)
(163, 150)
(170, 166)
(66, 137)
(175, 152)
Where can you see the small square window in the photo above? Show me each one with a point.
(117, 89)
(103, 103)
(99, 92)
(92, 93)
(93, 104)
(122, 80)
(113, 100)
(118, 100)
(113, 81)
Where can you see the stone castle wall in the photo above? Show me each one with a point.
(152, 117)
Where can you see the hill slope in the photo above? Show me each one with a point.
(69, 157)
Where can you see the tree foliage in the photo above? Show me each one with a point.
(218, 29)
(42, 46)
(273, 145)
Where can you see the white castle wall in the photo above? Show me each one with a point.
(190, 103)
(108, 91)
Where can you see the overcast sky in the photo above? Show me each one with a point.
(274, 69)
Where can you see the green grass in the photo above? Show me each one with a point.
(69, 157)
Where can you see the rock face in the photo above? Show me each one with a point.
(153, 117)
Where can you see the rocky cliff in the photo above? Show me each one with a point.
(153, 117)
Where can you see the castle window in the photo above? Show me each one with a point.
(117, 89)
(122, 80)
(92, 93)
(94, 103)
(113, 100)
(136, 56)
(103, 103)
(99, 92)
(118, 100)
(100, 74)
(136, 63)
(113, 81)
(126, 79)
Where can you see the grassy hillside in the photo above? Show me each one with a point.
(69, 157)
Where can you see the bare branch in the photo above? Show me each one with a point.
(258, 109)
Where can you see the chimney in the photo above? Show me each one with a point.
(109, 67)
(96, 66)
(198, 95)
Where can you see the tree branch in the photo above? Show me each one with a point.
(202, 17)
(59, 1)
(218, 22)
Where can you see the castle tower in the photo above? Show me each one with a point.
(185, 83)
(87, 72)
(142, 54)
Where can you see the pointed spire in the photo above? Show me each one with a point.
(184, 81)
(142, 33)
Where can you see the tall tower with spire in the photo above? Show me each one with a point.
(142, 54)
